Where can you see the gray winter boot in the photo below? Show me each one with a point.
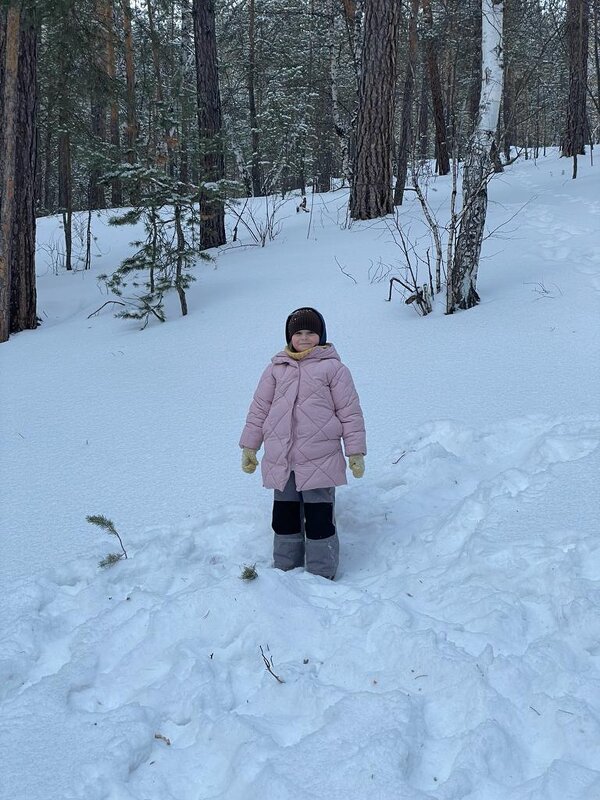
(322, 556)
(288, 550)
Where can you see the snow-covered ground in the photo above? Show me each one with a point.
(456, 656)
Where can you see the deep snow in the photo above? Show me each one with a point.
(457, 655)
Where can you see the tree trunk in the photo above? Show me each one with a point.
(371, 193)
(474, 93)
(341, 129)
(116, 197)
(9, 87)
(423, 122)
(596, 41)
(132, 125)
(98, 104)
(48, 196)
(22, 266)
(212, 209)
(478, 166)
(65, 182)
(441, 143)
(186, 110)
(322, 111)
(159, 128)
(508, 113)
(257, 189)
(181, 247)
(405, 138)
(577, 30)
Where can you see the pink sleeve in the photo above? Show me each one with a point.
(252, 435)
(349, 412)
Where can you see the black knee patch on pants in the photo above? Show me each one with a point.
(319, 520)
(286, 516)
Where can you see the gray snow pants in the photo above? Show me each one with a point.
(304, 526)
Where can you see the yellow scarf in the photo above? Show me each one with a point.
(304, 353)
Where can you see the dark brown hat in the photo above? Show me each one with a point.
(305, 319)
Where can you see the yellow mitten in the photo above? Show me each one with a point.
(357, 465)
(249, 460)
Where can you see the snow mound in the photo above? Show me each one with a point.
(456, 655)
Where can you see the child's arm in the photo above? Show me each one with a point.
(348, 411)
(252, 435)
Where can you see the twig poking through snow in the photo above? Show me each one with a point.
(269, 666)
(108, 302)
(347, 274)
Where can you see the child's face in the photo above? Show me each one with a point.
(304, 340)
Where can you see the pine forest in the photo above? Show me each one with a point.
(193, 105)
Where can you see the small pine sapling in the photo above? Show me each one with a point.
(249, 573)
(163, 260)
(108, 526)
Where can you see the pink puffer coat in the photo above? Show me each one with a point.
(301, 410)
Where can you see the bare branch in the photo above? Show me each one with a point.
(347, 274)
(269, 666)
(116, 302)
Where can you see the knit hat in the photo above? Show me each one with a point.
(305, 319)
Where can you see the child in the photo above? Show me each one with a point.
(304, 404)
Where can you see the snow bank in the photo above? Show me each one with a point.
(456, 656)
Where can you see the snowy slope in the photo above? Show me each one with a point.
(456, 655)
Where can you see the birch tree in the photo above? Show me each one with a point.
(478, 166)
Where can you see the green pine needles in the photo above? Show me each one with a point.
(108, 526)
(165, 257)
(249, 573)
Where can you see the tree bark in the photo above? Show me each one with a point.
(65, 182)
(577, 31)
(340, 128)
(186, 107)
(478, 166)
(423, 122)
(371, 193)
(596, 41)
(48, 196)
(257, 189)
(508, 113)
(22, 261)
(9, 89)
(405, 138)
(162, 138)
(132, 125)
(212, 210)
(441, 143)
(474, 93)
(322, 119)
(98, 103)
(116, 198)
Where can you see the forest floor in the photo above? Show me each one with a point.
(457, 653)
